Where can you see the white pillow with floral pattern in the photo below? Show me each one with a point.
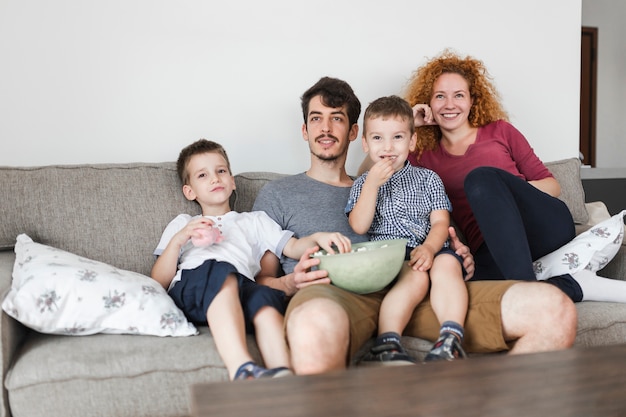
(590, 250)
(58, 292)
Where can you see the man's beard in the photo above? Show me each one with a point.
(327, 158)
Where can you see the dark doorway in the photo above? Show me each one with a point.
(588, 75)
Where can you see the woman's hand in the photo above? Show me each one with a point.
(423, 115)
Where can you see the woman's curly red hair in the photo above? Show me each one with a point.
(485, 109)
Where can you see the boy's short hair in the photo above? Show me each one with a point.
(393, 106)
(334, 93)
(198, 147)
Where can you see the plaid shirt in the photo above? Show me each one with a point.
(404, 204)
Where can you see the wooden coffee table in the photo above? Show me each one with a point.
(576, 382)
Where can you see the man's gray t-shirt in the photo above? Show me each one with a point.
(305, 206)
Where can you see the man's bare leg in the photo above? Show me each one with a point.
(318, 332)
(540, 316)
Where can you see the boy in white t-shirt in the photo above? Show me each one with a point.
(214, 283)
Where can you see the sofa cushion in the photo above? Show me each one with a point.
(248, 186)
(54, 291)
(112, 375)
(600, 323)
(126, 208)
(113, 213)
(567, 173)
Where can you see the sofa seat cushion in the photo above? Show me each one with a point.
(121, 375)
(600, 323)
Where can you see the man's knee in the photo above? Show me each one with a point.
(317, 315)
(318, 336)
(562, 316)
(539, 312)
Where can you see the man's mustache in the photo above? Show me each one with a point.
(326, 136)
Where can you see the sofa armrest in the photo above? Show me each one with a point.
(12, 333)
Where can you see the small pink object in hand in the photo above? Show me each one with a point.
(208, 237)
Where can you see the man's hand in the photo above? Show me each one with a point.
(463, 251)
(302, 274)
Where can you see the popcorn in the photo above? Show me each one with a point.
(359, 249)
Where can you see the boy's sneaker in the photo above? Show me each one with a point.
(447, 348)
(251, 370)
(388, 354)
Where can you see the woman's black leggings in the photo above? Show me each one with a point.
(519, 224)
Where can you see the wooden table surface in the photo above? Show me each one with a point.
(585, 382)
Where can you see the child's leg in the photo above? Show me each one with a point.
(448, 293)
(226, 320)
(395, 311)
(449, 300)
(401, 300)
(270, 337)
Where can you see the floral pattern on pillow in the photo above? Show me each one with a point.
(591, 250)
(58, 292)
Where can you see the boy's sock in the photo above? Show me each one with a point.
(452, 327)
(387, 338)
(448, 345)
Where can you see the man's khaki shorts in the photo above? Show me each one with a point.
(483, 325)
(362, 310)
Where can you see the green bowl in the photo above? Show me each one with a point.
(367, 270)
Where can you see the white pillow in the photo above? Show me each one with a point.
(590, 250)
(58, 292)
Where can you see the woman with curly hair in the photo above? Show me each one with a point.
(504, 198)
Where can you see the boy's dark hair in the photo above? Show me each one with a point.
(334, 93)
(198, 147)
(393, 106)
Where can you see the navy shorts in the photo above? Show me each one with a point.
(198, 287)
(447, 250)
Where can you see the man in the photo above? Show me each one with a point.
(325, 325)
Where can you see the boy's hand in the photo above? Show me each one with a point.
(192, 230)
(423, 115)
(326, 240)
(422, 258)
(302, 274)
(380, 172)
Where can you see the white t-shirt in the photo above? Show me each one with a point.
(246, 237)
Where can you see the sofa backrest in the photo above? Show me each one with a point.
(113, 213)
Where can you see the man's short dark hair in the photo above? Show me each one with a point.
(334, 93)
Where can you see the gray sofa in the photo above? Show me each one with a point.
(115, 213)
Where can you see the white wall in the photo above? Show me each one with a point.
(136, 80)
(608, 16)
